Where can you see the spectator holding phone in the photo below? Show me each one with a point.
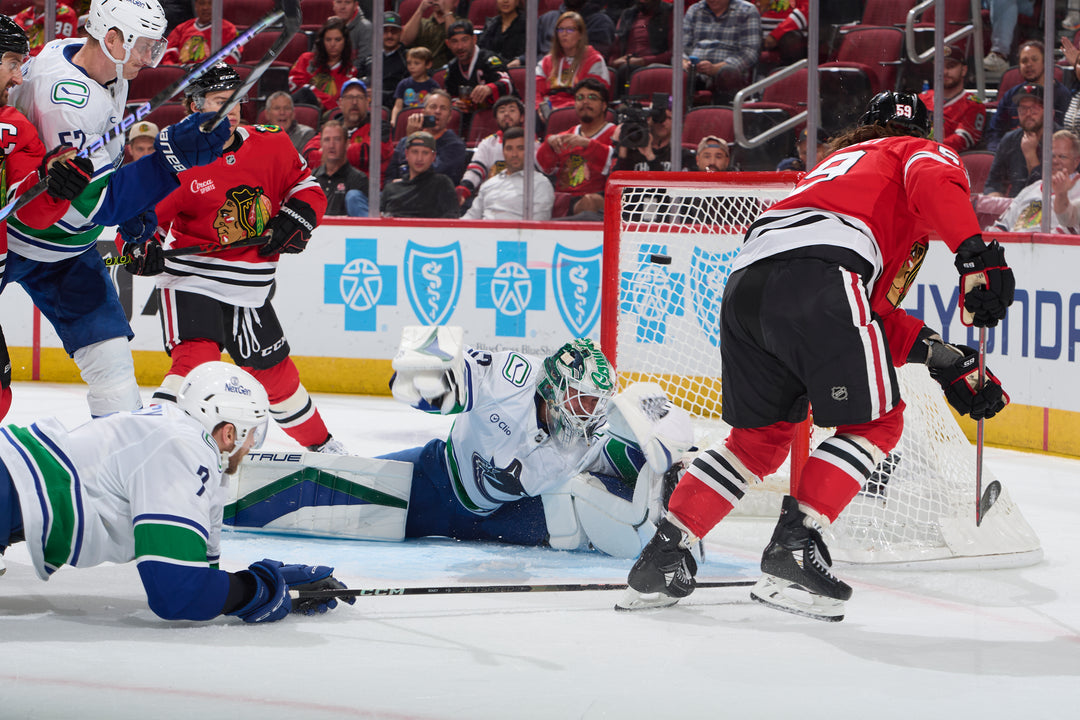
(450, 152)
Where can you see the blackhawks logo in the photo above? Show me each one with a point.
(244, 214)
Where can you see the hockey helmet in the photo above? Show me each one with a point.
(135, 20)
(12, 38)
(219, 77)
(901, 110)
(215, 392)
(577, 384)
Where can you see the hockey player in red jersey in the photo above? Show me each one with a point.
(260, 186)
(811, 317)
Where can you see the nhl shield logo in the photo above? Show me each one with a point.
(576, 280)
(708, 276)
(433, 279)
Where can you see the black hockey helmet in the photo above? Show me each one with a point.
(901, 110)
(12, 37)
(218, 77)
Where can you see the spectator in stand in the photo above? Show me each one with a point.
(783, 24)
(346, 187)
(141, 138)
(713, 155)
(430, 32)
(394, 69)
(32, 21)
(642, 37)
(1018, 159)
(1003, 17)
(487, 159)
(355, 117)
(599, 27)
(413, 90)
(798, 163)
(280, 111)
(357, 27)
(722, 42)
(1024, 214)
(655, 154)
(570, 61)
(176, 11)
(475, 78)
(317, 76)
(502, 197)
(964, 113)
(422, 191)
(504, 33)
(451, 155)
(1031, 70)
(581, 158)
(190, 42)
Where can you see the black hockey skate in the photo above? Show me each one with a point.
(663, 574)
(796, 559)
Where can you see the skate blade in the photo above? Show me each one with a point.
(632, 600)
(791, 598)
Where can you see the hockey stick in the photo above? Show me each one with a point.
(290, 10)
(150, 105)
(473, 589)
(983, 500)
(204, 249)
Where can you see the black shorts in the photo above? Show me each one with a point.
(252, 336)
(799, 331)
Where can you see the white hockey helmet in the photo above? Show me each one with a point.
(216, 392)
(577, 385)
(135, 20)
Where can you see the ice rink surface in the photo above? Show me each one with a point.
(978, 645)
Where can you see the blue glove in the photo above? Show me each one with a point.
(273, 582)
(317, 577)
(140, 228)
(183, 146)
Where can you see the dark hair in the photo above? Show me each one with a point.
(863, 133)
(592, 84)
(1037, 44)
(319, 60)
(513, 133)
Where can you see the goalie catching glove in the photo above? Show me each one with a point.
(956, 370)
(290, 229)
(430, 370)
(987, 284)
(273, 580)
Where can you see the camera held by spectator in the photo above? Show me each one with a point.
(633, 120)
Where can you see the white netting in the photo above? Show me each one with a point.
(675, 241)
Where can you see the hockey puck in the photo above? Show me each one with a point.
(660, 259)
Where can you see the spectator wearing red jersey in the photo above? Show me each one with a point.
(356, 118)
(964, 114)
(190, 41)
(571, 60)
(316, 78)
(32, 21)
(783, 24)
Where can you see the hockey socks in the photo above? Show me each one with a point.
(291, 406)
(709, 489)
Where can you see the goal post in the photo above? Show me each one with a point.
(669, 242)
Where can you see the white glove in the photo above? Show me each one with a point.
(643, 414)
(430, 367)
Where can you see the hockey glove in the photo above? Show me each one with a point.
(273, 582)
(65, 177)
(987, 284)
(290, 229)
(147, 258)
(183, 146)
(956, 369)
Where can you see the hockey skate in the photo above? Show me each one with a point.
(663, 574)
(797, 569)
(332, 446)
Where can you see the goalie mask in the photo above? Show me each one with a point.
(577, 384)
(216, 392)
(900, 110)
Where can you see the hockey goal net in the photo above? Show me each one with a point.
(669, 241)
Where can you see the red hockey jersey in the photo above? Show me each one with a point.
(228, 200)
(964, 119)
(580, 170)
(892, 193)
(190, 42)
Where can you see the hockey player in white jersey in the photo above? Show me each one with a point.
(148, 486)
(74, 92)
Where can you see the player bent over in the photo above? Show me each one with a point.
(147, 486)
(542, 450)
(811, 314)
(259, 187)
(74, 92)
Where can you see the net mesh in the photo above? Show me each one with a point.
(674, 243)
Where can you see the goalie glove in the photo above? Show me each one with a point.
(430, 370)
(987, 284)
(956, 370)
(643, 414)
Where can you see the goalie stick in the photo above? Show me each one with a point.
(166, 95)
(203, 249)
(473, 589)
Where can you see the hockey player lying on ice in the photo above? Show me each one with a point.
(147, 486)
(811, 315)
(542, 452)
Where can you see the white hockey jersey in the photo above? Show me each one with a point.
(68, 108)
(145, 485)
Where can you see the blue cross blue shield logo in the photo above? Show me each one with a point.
(576, 281)
(433, 280)
(510, 288)
(361, 284)
(653, 293)
(708, 276)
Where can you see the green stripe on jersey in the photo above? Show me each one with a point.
(176, 542)
(85, 205)
(59, 536)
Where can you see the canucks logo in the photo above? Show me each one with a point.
(576, 280)
(433, 280)
(506, 480)
(708, 276)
